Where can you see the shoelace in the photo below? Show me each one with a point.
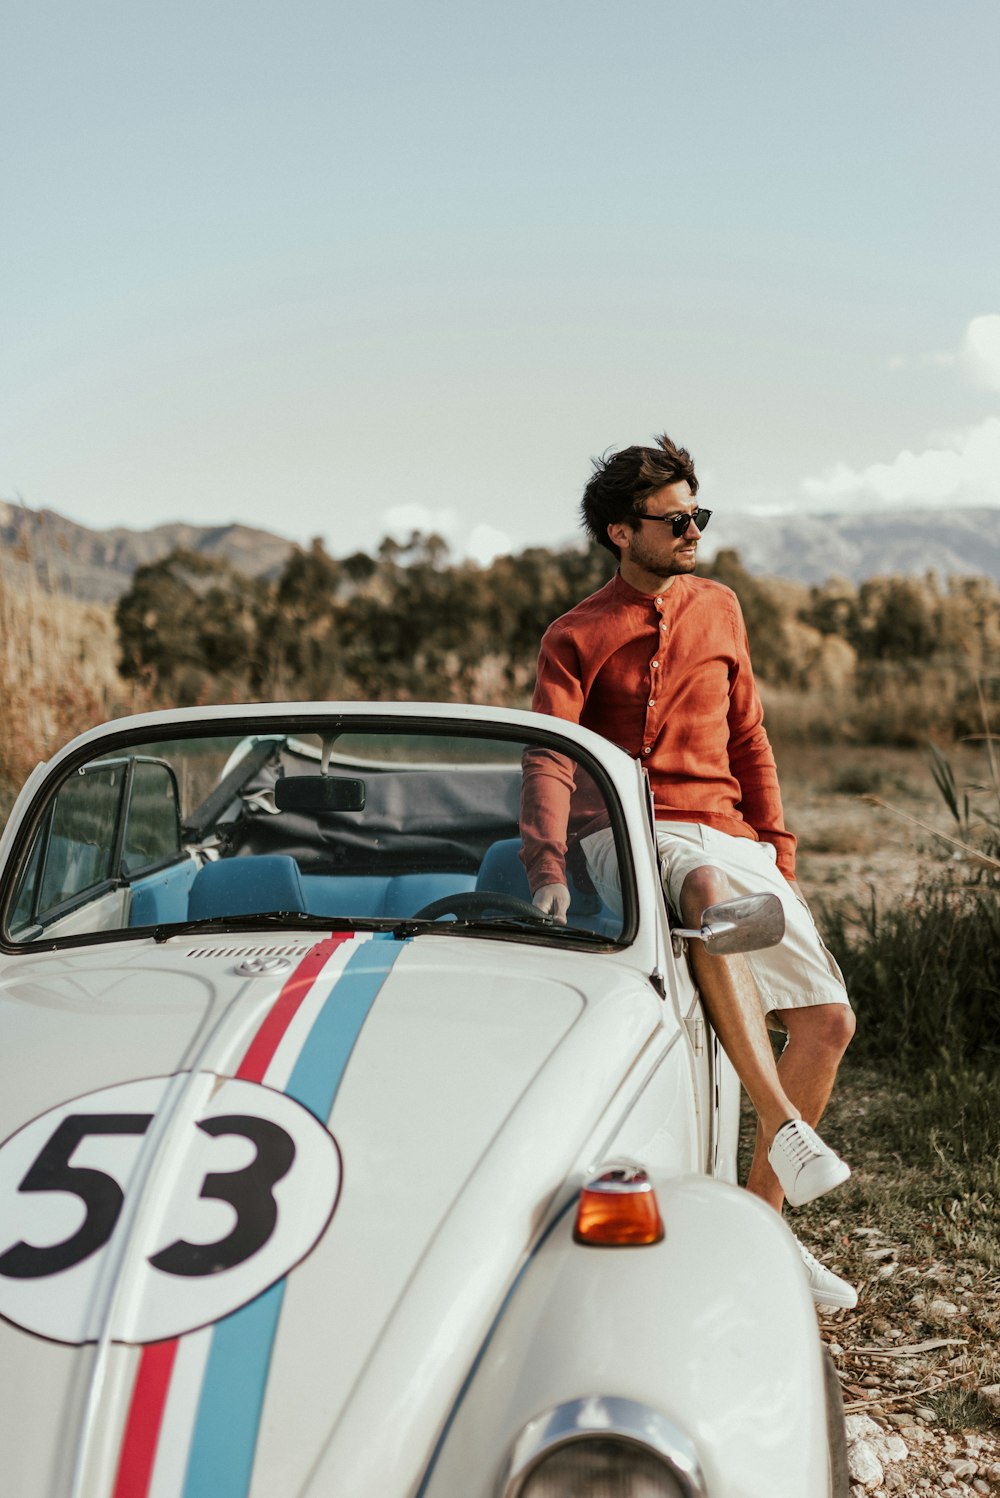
(795, 1142)
(808, 1259)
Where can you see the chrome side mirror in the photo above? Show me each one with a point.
(745, 925)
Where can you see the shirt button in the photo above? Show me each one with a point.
(659, 600)
(663, 626)
(645, 749)
(655, 665)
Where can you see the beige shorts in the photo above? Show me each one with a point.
(796, 974)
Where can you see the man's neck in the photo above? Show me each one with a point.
(643, 581)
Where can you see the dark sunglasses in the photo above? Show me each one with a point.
(679, 523)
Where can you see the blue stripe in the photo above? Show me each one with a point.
(225, 1434)
(223, 1447)
(323, 1060)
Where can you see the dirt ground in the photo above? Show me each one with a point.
(849, 846)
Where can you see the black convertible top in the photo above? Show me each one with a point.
(415, 817)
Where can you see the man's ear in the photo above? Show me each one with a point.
(620, 534)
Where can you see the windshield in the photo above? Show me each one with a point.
(392, 827)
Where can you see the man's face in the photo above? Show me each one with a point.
(652, 548)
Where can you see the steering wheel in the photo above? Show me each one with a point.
(466, 906)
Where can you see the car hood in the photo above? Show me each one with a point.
(262, 1201)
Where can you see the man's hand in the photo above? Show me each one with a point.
(553, 900)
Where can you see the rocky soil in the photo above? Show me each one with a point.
(900, 1437)
(919, 1356)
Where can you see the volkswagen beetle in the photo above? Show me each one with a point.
(330, 1168)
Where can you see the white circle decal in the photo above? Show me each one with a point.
(145, 1210)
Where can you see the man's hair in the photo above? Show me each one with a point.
(621, 483)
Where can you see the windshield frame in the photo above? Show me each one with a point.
(287, 725)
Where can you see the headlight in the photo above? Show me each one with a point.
(603, 1447)
(600, 1468)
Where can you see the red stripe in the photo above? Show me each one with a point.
(145, 1416)
(149, 1395)
(268, 1037)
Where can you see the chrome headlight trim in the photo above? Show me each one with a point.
(600, 1415)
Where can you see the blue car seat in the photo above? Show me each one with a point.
(246, 886)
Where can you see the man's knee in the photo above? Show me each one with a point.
(701, 888)
(829, 1027)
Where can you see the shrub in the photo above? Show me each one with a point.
(924, 976)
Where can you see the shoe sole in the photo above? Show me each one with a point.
(799, 1199)
(832, 1303)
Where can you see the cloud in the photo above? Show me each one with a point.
(484, 543)
(961, 467)
(478, 543)
(947, 359)
(980, 351)
(400, 521)
(966, 471)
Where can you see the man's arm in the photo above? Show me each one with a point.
(548, 780)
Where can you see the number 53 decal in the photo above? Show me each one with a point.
(100, 1217)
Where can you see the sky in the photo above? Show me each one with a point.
(348, 270)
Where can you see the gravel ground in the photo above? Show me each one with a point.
(901, 1437)
(919, 1357)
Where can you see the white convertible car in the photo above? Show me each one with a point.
(330, 1169)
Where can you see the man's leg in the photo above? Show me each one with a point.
(799, 1085)
(731, 998)
(817, 1039)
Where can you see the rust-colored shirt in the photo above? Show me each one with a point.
(668, 679)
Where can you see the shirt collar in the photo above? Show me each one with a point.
(624, 592)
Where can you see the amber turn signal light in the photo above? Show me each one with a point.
(618, 1209)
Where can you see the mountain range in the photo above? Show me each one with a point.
(97, 565)
(889, 543)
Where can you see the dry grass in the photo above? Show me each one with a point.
(850, 850)
(58, 676)
(883, 703)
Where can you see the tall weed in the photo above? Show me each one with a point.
(924, 976)
(883, 703)
(57, 677)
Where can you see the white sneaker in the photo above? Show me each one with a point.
(828, 1289)
(804, 1165)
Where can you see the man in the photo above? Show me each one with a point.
(658, 662)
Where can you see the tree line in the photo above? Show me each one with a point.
(410, 622)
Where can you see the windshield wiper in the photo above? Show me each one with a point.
(269, 919)
(545, 926)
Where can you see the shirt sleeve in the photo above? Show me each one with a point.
(751, 758)
(548, 778)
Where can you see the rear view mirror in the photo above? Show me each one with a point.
(745, 925)
(315, 794)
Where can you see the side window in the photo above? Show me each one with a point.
(152, 831)
(81, 839)
(23, 913)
